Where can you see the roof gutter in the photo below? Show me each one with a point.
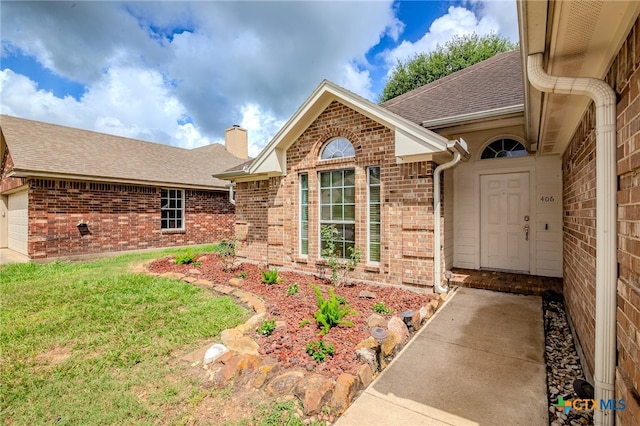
(460, 152)
(606, 269)
(479, 115)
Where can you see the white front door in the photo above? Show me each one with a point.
(18, 215)
(504, 221)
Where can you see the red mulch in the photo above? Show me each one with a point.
(289, 345)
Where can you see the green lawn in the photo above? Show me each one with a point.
(92, 343)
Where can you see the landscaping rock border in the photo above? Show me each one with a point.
(235, 359)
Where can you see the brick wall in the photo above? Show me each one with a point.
(579, 228)
(119, 217)
(268, 211)
(625, 78)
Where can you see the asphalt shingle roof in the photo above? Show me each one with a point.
(42, 147)
(487, 85)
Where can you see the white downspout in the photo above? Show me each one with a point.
(606, 268)
(231, 190)
(461, 153)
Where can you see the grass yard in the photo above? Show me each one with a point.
(92, 343)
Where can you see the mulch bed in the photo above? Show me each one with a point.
(289, 344)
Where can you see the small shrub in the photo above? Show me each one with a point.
(328, 234)
(227, 251)
(319, 350)
(267, 327)
(271, 276)
(186, 259)
(381, 308)
(293, 289)
(242, 275)
(331, 312)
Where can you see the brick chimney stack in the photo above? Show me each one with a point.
(235, 141)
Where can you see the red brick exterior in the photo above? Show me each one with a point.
(8, 183)
(268, 211)
(579, 228)
(119, 217)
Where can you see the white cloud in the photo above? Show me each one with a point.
(482, 17)
(261, 126)
(146, 66)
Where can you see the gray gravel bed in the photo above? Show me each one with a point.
(563, 365)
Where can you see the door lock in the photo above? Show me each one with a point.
(526, 232)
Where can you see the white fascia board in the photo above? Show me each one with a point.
(413, 145)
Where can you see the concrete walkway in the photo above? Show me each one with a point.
(478, 361)
(10, 256)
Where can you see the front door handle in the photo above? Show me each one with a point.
(526, 232)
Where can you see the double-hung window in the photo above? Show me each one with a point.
(338, 207)
(304, 214)
(172, 209)
(373, 192)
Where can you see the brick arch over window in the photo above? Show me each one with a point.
(334, 133)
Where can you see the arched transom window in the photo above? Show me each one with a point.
(337, 148)
(504, 148)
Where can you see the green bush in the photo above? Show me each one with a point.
(381, 308)
(320, 350)
(186, 259)
(293, 289)
(271, 276)
(267, 327)
(331, 311)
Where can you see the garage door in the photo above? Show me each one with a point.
(18, 217)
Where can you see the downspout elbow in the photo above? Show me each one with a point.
(232, 199)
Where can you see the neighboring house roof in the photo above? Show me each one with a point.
(51, 151)
(491, 85)
(412, 141)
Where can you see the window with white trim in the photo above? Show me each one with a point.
(304, 214)
(172, 209)
(338, 208)
(373, 216)
(504, 148)
(338, 148)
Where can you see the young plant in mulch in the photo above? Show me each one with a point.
(271, 276)
(293, 289)
(319, 350)
(340, 268)
(267, 327)
(187, 258)
(227, 250)
(242, 275)
(380, 308)
(331, 311)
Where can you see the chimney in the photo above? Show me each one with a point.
(235, 140)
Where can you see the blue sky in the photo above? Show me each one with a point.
(181, 72)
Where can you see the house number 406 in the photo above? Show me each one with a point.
(547, 199)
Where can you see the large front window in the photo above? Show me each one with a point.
(373, 184)
(304, 214)
(338, 207)
(172, 209)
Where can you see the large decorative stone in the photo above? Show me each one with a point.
(230, 335)
(314, 392)
(369, 343)
(376, 320)
(366, 294)
(416, 321)
(284, 383)
(236, 282)
(244, 345)
(214, 352)
(365, 375)
(389, 344)
(343, 392)
(397, 325)
(265, 371)
(368, 356)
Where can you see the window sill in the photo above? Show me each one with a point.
(173, 231)
(372, 268)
